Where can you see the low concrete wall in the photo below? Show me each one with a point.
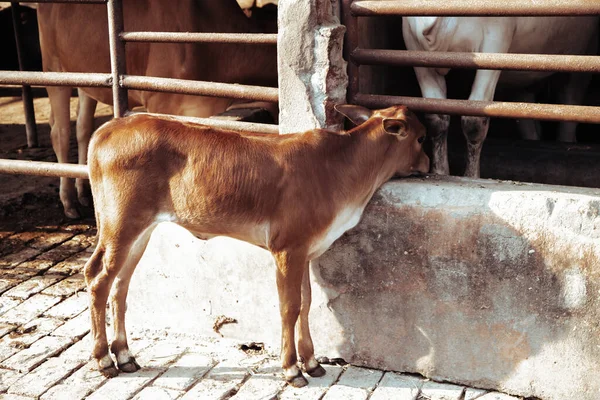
(485, 283)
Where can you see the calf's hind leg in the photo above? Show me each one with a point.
(290, 270)
(306, 350)
(114, 258)
(119, 346)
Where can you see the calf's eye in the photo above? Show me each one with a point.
(421, 139)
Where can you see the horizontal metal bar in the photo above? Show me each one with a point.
(476, 7)
(72, 1)
(77, 79)
(499, 61)
(250, 127)
(547, 112)
(214, 89)
(43, 168)
(200, 37)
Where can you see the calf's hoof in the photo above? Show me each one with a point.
(110, 372)
(129, 366)
(316, 372)
(297, 381)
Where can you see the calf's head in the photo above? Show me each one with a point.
(396, 127)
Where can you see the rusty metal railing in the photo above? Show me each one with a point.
(120, 82)
(475, 7)
(356, 56)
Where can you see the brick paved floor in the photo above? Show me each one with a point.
(45, 342)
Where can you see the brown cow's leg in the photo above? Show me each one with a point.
(60, 134)
(85, 127)
(119, 346)
(290, 269)
(306, 350)
(98, 280)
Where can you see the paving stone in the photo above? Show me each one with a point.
(125, 385)
(394, 386)
(29, 309)
(28, 359)
(360, 377)
(39, 266)
(77, 386)
(14, 259)
(441, 391)
(19, 272)
(497, 396)
(185, 372)
(5, 234)
(32, 286)
(8, 377)
(159, 354)
(70, 307)
(80, 351)
(316, 386)
(66, 249)
(41, 379)
(337, 392)
(75, 327)
(14, 397)
(24, 237)
(472, 394)
(265, 384)
(6, 303)
(7, 283)
(25, 335)
(71, 265)
(221, 381)
(6, 328)
(157, 393)
(67, 286)
(50, 239)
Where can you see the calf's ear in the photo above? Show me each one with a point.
(356, 114)
(396, 127)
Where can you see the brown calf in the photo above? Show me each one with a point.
(293, 195)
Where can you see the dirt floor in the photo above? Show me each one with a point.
(32, 202)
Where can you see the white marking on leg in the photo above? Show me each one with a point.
(124, 356)
(291, 372)
(105, 362)
(311, 364)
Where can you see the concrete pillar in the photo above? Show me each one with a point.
(312, 72)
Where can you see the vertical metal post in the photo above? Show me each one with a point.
(350, 44)
(117, 56)
(30, 127)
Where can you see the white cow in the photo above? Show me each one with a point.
(547, 35)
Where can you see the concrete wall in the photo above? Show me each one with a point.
(486, 283)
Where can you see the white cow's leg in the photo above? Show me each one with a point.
(433, 85)
(529, 129)
(60, 134)
(475, 128)
(85, 127)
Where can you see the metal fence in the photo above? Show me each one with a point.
(120, 82)
(356, 56)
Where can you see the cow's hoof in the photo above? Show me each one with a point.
(298, 381)
(85, 201)
(72, 213)
(110, 371)
(129, 366)
(316, 372)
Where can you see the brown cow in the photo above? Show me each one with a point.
(74, 38)
(293, 195)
